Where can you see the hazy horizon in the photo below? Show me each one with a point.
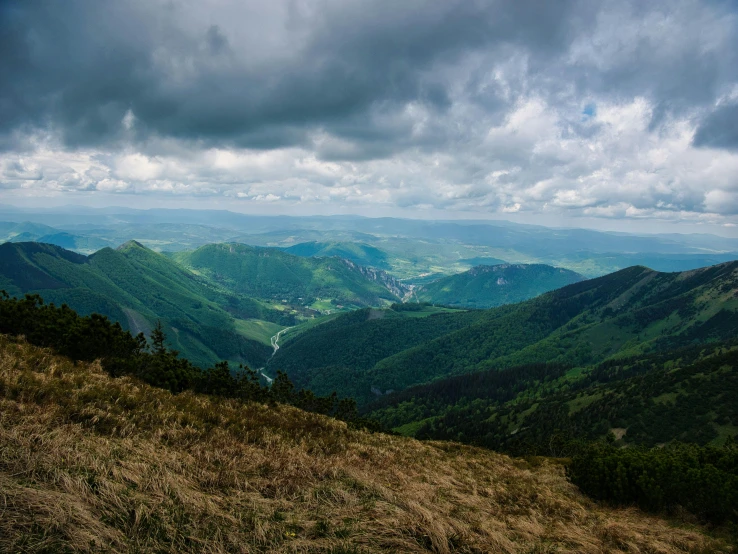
(646, 227)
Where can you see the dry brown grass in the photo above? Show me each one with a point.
(90, 463)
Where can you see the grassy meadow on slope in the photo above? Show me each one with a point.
(487, 286)
(91, 463)
(630, 312)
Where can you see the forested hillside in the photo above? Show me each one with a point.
(689, 395)
(336, 355)
(487, 286)
(630, 312)
(357, 252)
(136, 287)
(271, 273)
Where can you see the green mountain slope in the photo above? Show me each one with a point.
(357, 252)
(136, 286)
(689, 394)
(630, 312)
(488, 286)
(337, 354)
(270, 273)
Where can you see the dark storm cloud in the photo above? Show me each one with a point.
(611, 108)
(79, 66)
(720, 128)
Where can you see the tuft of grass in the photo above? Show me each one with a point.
(89, 463)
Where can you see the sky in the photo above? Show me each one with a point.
(619, 115)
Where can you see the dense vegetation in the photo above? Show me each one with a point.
(92, 337)
(690, 395)
(136, 287)
(632, 312)
(702, 480)
(337, 354)
(487, 286)
(271, 273)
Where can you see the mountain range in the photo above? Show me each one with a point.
(136, 287)
(227, 310)
(589, 346)
(250, 293)
(270, 273)
(637, 358)
(632, 312)
(413, 250)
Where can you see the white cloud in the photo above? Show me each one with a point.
(254, 104)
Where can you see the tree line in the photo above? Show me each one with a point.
(95, 337)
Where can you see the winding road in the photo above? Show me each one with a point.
(275, 341)
(275, 345)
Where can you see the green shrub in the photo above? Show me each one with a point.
(702, 480)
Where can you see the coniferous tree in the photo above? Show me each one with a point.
(158, 338)
(282, 389)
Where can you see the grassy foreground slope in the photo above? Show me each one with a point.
(487, 286)
(91, 463)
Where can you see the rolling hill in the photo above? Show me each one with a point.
(357, 252)
(488, 286)
(136, 286)
(93, 463)
(272, 274)
(34, 232)
(630, 312)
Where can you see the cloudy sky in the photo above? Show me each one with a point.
(618, 114)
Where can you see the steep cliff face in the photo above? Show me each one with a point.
(392, 284)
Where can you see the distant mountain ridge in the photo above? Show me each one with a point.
(412, 250)
(357, 252)
(487, 286)
(272, 273)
